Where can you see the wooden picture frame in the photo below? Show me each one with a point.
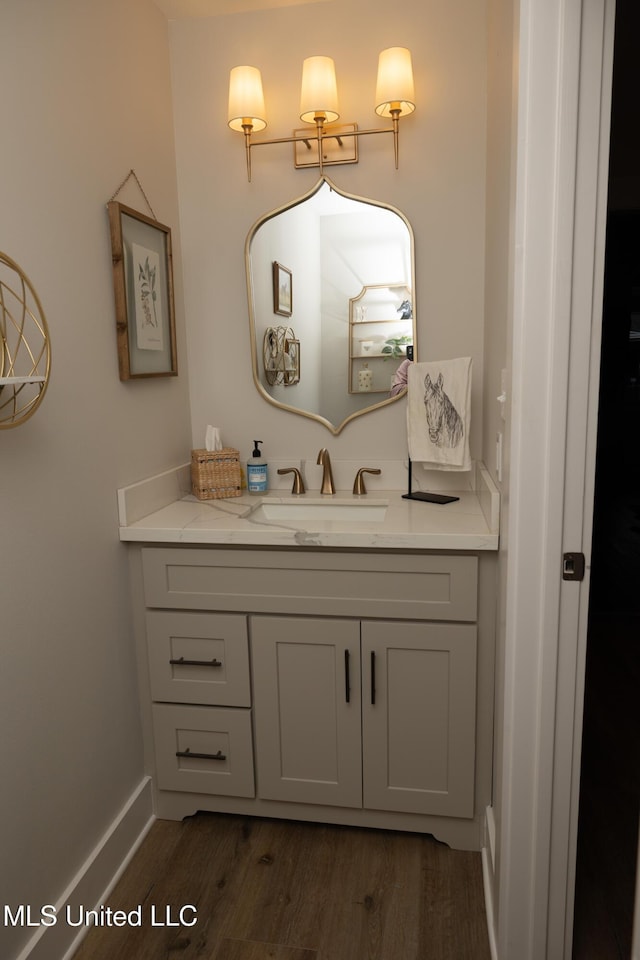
(282, 290)
(143, 289)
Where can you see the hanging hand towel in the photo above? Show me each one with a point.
(439, 413)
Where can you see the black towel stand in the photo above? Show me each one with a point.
(426, 497)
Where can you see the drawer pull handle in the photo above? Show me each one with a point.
(373, 679)
(201, 756)
(347, 679)
(181, 662)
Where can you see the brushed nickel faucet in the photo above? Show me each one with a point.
(327, 477)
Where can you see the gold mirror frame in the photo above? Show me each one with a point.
(257, 343)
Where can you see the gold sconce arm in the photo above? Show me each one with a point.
(247, 128)
(321, 136)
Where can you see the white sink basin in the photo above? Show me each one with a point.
(305, 511)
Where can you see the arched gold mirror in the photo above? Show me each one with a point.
(331, 289)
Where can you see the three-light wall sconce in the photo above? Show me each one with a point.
(336, 143)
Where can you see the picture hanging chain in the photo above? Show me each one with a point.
(133, 174)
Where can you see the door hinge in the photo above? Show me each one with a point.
(573, 565)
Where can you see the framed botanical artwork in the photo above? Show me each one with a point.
(282, 290)
(143, 288)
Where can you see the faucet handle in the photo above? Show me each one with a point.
(298, 482)
(358, 484)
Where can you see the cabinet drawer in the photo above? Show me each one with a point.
(198, 658)
(406, 586)
(204, 750)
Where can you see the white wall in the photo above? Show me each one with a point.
(86, 98)
(440, 187)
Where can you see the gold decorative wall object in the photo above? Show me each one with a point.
(281, 356)
(25, 348)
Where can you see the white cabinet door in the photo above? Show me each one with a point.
(419, 703)
(306, 682)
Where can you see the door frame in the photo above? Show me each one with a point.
(589, 242)
(562, 141)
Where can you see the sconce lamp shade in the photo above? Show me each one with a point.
(319, 95)
(246, 99)
(394, 89)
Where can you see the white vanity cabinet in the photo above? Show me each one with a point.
(373, 714)
(338, 685)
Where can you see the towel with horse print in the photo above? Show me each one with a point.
(439, 413)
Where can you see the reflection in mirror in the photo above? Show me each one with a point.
(348, 269)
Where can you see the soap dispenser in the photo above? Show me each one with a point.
(257, 474)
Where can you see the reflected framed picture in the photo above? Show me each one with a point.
(143, 289)
(282, 290)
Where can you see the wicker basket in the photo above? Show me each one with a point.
(216, 474)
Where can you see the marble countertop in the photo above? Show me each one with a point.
(159, 511)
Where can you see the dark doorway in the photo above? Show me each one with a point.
(610, 776)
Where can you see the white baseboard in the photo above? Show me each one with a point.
(96, 877)
(488, 880)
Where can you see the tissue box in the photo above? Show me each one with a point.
(216, 474)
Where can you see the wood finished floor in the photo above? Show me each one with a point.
(279, 890)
